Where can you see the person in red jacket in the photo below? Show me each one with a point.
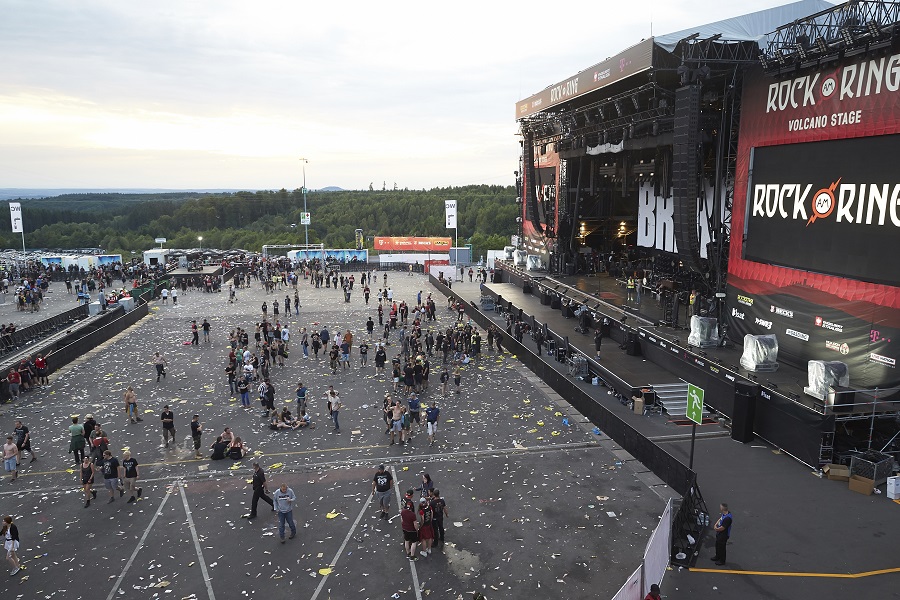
(654, 593)
(40, 365)
(14, 380)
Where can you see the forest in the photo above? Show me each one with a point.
(126, 223)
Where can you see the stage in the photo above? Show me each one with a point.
(799, 424)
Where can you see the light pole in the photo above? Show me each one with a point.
(200, 239)
(306, 224)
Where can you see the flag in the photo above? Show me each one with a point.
(15, 216)
(450, 213)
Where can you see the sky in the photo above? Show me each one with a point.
(225, 94)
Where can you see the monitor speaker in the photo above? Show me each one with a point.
(744, 413)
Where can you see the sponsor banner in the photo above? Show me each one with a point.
(15, 217)
(807, 329)
(450, 213)
(633, 60)
(417, 244)
(838, 201)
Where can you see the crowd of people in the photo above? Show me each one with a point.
(410, 407)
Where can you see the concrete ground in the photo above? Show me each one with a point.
(536, 507)
(795, 535)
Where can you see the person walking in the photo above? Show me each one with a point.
(723, 532)
(260, 491)
(206, 327)
(11, 458)
(283, 500)
(131, 405)
(78, 440)
(130, 470)
(168, 425)
(381, 490)
(432, 416)
(160, 361)
(457, 376)
(88, 473)
(10, 535)
(23, 440)
(112, 471)
(409, 523)
(334, 407)
(195, 333)
(598, 341)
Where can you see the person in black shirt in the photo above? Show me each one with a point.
(196, 433)
(23, 440)
(130, 468)
(218, 449)
(88, 470)
(381, 490)
(260, 491)
(168, 425)
(439, 509)
(112, 470)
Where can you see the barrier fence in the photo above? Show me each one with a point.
(60, 352)
(27, 335)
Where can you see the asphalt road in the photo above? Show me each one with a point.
(536, 507)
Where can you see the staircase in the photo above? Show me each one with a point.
(673, 398)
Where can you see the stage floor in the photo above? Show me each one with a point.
(787, 380)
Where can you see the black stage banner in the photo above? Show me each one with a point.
(812, 328)
(830, 207)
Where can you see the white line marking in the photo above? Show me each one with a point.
(340, 551)
(412, 563)
(140, 545)
(190, 519)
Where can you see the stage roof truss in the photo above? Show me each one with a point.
(646, 103)
(716, 52)
(858, 26)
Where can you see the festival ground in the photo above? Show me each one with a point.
(536, 507)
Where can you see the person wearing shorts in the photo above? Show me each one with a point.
(11, 458)
(381, 490)
(396, 422)
(111, 472)
(409, 522)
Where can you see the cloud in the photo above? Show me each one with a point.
(423, 94)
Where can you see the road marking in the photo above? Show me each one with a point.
(140, 545)
(190, 520)
(412, 563)
(789, 574)
(343, 545)
(395, 459)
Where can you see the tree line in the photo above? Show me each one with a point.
(125, 223)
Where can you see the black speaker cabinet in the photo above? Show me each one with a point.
(632, 344)
(745, 397)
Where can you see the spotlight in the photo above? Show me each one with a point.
(801, 50)
(764, 61)
(847, 36)
(874, 29)
(821, 44)
(634, 100)
(619, 108)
